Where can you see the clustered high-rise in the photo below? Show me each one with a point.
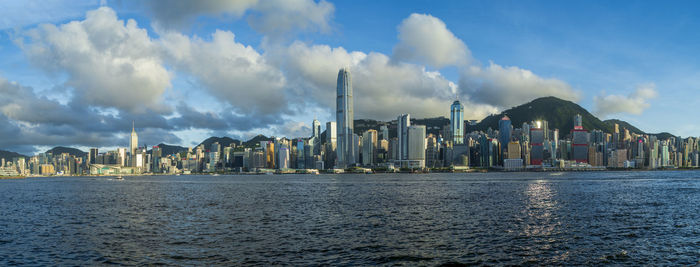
(402, 143)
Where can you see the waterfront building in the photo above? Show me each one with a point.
(514, 150)
(92, 156)
(505, 130)
(316, 129)
(457, 122)
(344, 118)
(536, 144)
(384, 130)
(330, 144)
(133, 144)
(369, 148)
(301, 162)
(416, 146)
(402, 124)
(284, 158)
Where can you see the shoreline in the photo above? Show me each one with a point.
(466, 171)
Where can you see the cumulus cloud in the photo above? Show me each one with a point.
(510, 86)
(271, 17)
(382, 90)
(635, 103)
(229, 70)
(169, 14)
(109, 63)
(426, 39)
(114, 65)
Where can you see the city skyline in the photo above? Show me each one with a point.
(81, 77)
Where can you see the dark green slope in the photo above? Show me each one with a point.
(255, 141)
(72, 151)
(559, 113)
(9, 155)
(623, 125)
(169, 150)
(223, 141)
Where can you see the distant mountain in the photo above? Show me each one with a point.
(9, 155)
(663, 135)
(557, 112)
(169, 150)
(223, 141)
(623, 125)
(432, 125)
(256, 140)
(72, 151)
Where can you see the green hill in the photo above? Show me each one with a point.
(9, 155)
(255, 141)
(169, 150)
(623, 125)
(72, 151)
(223, 141)
(557, 112)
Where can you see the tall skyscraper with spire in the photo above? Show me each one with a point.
(344, 117)
(133, 143)
(457, 122)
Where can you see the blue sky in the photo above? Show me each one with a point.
(247, 67)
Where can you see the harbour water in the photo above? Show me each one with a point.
(589, 218)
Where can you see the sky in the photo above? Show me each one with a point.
(77, 73)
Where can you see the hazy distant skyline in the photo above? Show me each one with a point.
(77, 74)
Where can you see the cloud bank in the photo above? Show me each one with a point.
(635, 103)
(116, 72)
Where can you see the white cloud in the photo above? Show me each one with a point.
(109, 63)
(274, 17)
(382, 90)
(229, 70)
(426, 39)
(270, 17)
(510, 86)
(169, 14)
(635, 103)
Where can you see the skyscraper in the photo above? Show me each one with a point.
(369, 147)
(385, 132)
(578, 120)
(457, 122)
(504, 131)
(316, 129)
(344, 118)
(93, 156)
(416, 146)
(402, 124)
(133, 143)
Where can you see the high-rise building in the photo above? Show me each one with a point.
(580, 145)
(331, 144)
(536, 143)
(93, 156)
(369, 147)
(133, 144)
(331, 133)
(514, 150)
(457, 122)
(505, 131)
(284, 158)
(416, 146)
(578, 120)
(402, 124)
(384, 130)
(316, 129)
(270, 155)
(121, 156)
(344, 117)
